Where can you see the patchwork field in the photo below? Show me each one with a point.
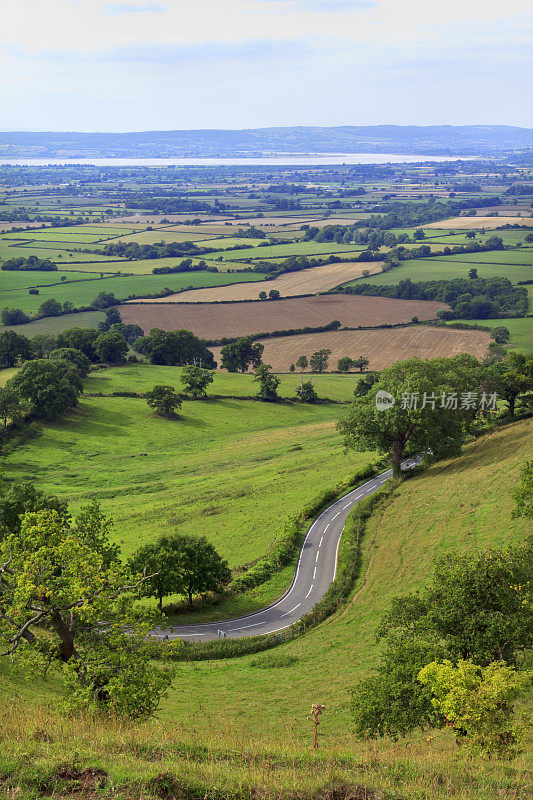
(305, 281)
(83, 292)
(471, 223)
(218, 320)
(381, 347)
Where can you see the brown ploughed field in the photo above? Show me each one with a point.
(290, 284)
(381, 347)
(218, 320)
(472, 223)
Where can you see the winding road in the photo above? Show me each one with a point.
(314, 574)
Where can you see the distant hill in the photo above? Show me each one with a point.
(483, 140)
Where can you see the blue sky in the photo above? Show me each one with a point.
(140, 65)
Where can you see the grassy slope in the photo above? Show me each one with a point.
(452, 506)
(253, 721)
(229, 469)
(51, 326)
(142, 377)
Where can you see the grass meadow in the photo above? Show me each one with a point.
(241, 725)
(231, 470)
(142, 377)
(51, 326)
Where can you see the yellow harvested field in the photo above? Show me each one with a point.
(472, 223)
(381, 347)
(305, 281)
(219, 320)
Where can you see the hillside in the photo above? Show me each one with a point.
(238, 729)
(429, 140)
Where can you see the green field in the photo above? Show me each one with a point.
(522, 255)
(434, 269)
(142, 377)
(82, 293)
(51, 326)
(47, 251)
(521, 330)
(229, 469)
(27, 279)
(285, 250)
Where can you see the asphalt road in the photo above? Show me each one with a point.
(314, 574)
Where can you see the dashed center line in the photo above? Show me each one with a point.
(314, 573)
(286, 614)
(320, 543)
(316, 559)
(347, 506)
(336, 515)
(309, 592)
(327, 526)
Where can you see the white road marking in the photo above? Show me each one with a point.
(255, 625)
(292, 609)
(316, 559)
(347, 506)
(320, 542)
(327, 526)
(314, 574)
(190, 634)
(336, 515)
(309, 592)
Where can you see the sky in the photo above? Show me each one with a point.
(120, 65)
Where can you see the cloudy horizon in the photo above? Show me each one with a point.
(95, 65)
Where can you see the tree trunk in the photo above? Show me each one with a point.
(66, 636)
(190, 598)
(396, 458)
(161, 603)
(511, 402)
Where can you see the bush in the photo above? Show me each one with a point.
(14, 316)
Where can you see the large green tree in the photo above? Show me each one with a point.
(61, 603)
(73, 356)
(319, 360)
(50, 387)
(434, 401)
(82, 339)
(111, 347)
(195, 380)
(187, 565)
(164, 400)
(514, 377)
(268, 383)
(477, 606)
(241, 354)
(175, 348)
(13, 348)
